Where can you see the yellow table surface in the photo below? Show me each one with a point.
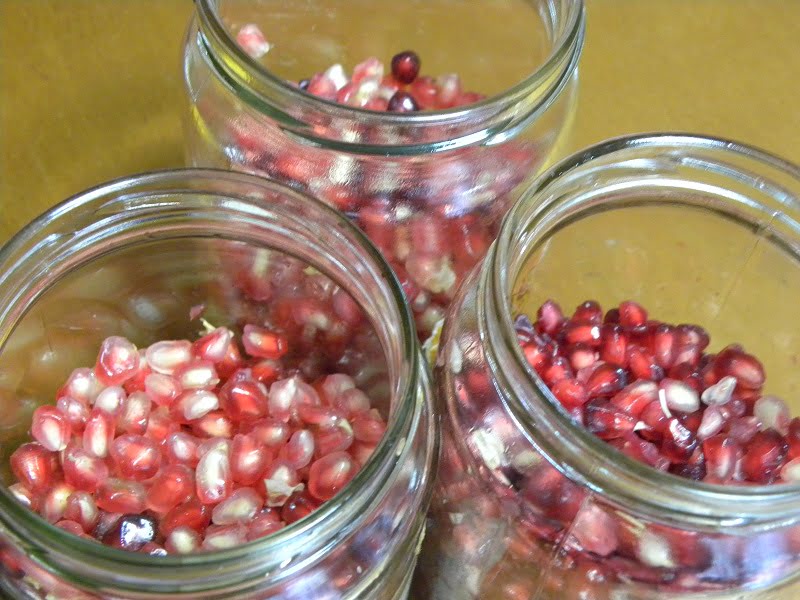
(91, 90)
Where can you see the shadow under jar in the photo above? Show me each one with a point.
(430, 186)
(143, 258)
(531, 502)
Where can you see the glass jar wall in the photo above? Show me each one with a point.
(134, 258)
(429, 187)
(529, 504)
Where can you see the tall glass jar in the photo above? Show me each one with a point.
(529, 504)
(430, 187)
(131, 258)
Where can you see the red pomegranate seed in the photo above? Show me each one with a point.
(318, 416)
(536, 356)
(690, 341)
(213, 346)
(368, 427)
(608, 422)
(590, 311)
(582, 332)
(581, 357)
(75, 411)
(605, 380)
(134, 414)
(280, 481)
(743, 429)
(263, 343)
(110, 400)
(643, 364)
(351, 402)
(181, 448)
(298, 506)
(679, 442)
(663, 346)
(571, 393)
(632, 315)
(271, 432)
(117, 362)
(747, 370)
(371, 68)
(790, 473)
(793, 438)
(168, 356)
(51, 428)
(81, 385)
(71, 526)
(24, 496)
(405, 66)
(694, 468)
(214, 424)
(722, 455)
(613, 349)
(641, 450)
(240, 507)
(264, 523)
(232, 361)
(287, 394)
(222, 537)
(634, 398)
(82, 509)
(162, 389)
(299, 450)
(183, 540)
(120, 496)
(82, 469)
(764, 456)
(772, 413)
(251, 39)
(192, 514)
(55, 501)
(334, 438)
(98, 433)
(213, 476)
(244, 399)
(549, 318)
(197, 375)
(329, 474)
(136, 457)
(249, 459)
(267, 371)
(655, 421)
(557, 370)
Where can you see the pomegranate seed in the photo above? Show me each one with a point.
(244, 399)
(153, 549)
(263, 343)
(319, 416)
(632, 315)
(267, 371)
(82, 470)
(712, 423)
(550, 318)
(772, 413)
(213, 347)
(75, 411)
(251, 39)
(214, 424)
(168, 356)
(608, 422)
(694, 468)
(613, 349)
(231, 363)
(557, 370)
(213, 476)
(690, 341)
(371, 68)
(240, 507)
(287, 394)
(583, 332)
(110, 400)
(131, 533)
(606, 380)
(98, 433)
(722, 455)
(571, 393)
(71, 526)
(120, 496)
(402, 102)
(55, 502)
(249, 459)
(634, 398)
(82, 509)
(329, 474)
(654, 420)
(24, 496)
(663, 347)
(581, 357)
(82, 385)
(192, 514)
(297, 507)
(743, 429)
(747, 370)
(334, 438)
(643, 364)
(299, 451)
(162, 389)
(368, 427)
(136, 457)
(223, 537)
(405, 66)
(594, 531)
(790, 472)
(280, 481)
(181, 448)
(193, 405)
(719, 393)
(764, 456)
(183, 540)
(197, 375)
(117, 361)
(679, 442)
(678, 396)
(263, 524)
(51, 428)
(793, 438)
(270, 432)
(589, 311)
(134, 414)
(641, 450)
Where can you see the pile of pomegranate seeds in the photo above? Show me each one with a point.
(186, 447)
(398, 89)
(652, 391)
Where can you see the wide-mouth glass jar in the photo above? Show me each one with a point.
(428, 187)
(134, 258)
(530, 504)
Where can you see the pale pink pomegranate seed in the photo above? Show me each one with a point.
(213, 476)
(361, 452)
(134, 414)
(214, 424)
(110, 400)
(214, 346)
(251, 39)
(174, 485)
(299, 450)
(81, 385)
(162, 389)
(594, 530)
(329, 474)
(240, 507)
(263, 524)
(181, 448)
(263, 343)
(790, 472)
(368, 427)
(678, 396)
(51, 428)
(55, 502)
(169, 356)
(137, 457)
(98, 433)
(221, 537)
(722, 455)
(298, 506)
(280, 481)
(634, 398)
(581, 357)
(82, 509)
(249, 459)
(772, 413)
(193, 405)
(117, 361)
(24, 496)
(719, 393)
(183, 540)
(75, 411)
(352, 402)
(318, 416)
(82, 469)
(216, 443)
(743, 429)
(287, 394)
(245, 399)
(160, 424)
(197, 375)
(120, 496)
(334, 385)
(192, 513)
(549, 318)
(334, 438)
(712, 423)
(371, 68)
(271, 432)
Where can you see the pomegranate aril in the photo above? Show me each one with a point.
(245, 400)
(371, 68)
(287, 394)
(405, 66)
(712, 422)
(183, 540)
(679, 442)
(793, 438)
(197, 375)
(663, 346)
(790, 472)
(82, 470)
(549, 318)
(642, 364)
(299, 450)
(608, 422)
(251, 39)
(368, 427)
(632, 315)
(34, 466)
(249, 459)
(772, 413)
(263, 524)
(131, 532)
(71, 526)
(280, 482)
(582, 332)
(747, 370)
(262, 343)
(110, 400)
(82, 509)
(271, 432)
(764, 456)
(298, 506)
(24, 496)
(334, 438)
(81, 385)
(162, 389)
(213, 346)
(136, 457)
(192, 514)
(581, 357)
(329, 474)
(589, 311)
(223, 537)
(51, 428)
(694, 468)
(193, 405)
(678, 396)
(120, 496)
(213, 476)
(605, 380)
(214, 424)
(173, 485)
(169, 356)
(557, 370)
(117, 361)
(54, 503)
(720, 392)
(614, 345)
(240, 507)
(134, 414)
(267, 371)
(722, 454)
(75, 411)
(742, 429)
(98, 433)
(641, 450)
(634, 398)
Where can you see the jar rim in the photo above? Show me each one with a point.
(584, 455)
(23, 247)
(465, 125)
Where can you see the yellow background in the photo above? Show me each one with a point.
(90, 89)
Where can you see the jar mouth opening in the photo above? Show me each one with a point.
(716, 505)
(247, 72)
(152, 190)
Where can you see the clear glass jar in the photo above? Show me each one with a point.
(131, 258)
(429, 188)
(531, 505)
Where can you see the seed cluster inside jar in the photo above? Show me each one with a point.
(193, 446)
(651, 390)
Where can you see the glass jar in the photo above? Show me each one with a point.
(529, 504)
(429, 188)
(131, 258)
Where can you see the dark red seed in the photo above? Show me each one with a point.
(608, 422)
(688, 374)
(557, 370)
(582, 332)
(641, 450)
(535, 355)
(613, 348)
(570, 392)
(663, 347)
(549, 318)
(590, 311)
(694, 468)
(643, 365)
(747, 369)
(722, 454)
(764, 456)
(405, 66)
(679, 442)
(581, 356)
(612, 316)
(656, 420)
(632, 315)
(634, 398)
(793, 438)
(403, 102)
(606, 380)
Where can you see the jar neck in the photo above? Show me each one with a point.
(347, 129)
(753, 186)
(215, 205)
